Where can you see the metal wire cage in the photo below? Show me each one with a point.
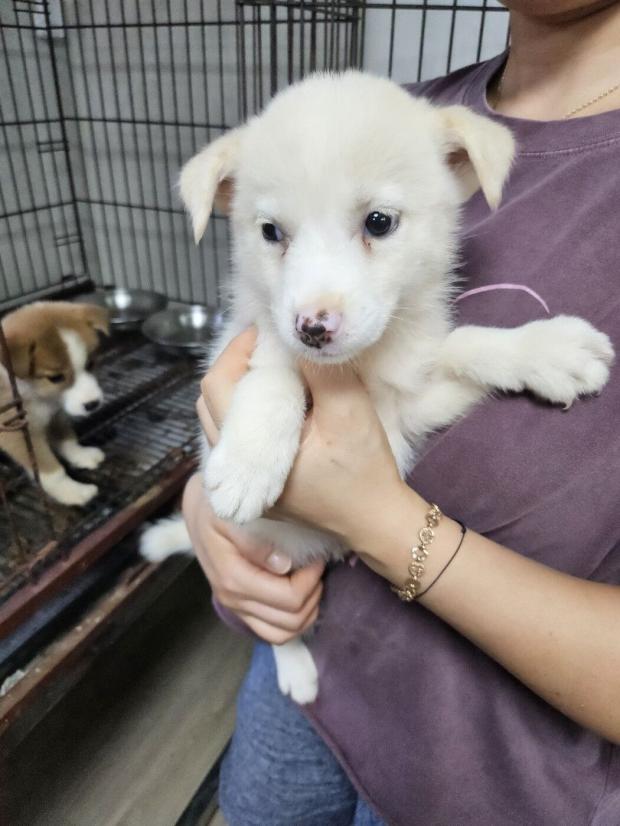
(101, 101)
(280, 41)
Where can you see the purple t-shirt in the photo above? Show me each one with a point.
(431, 730)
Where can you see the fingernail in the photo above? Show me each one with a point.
(278, 562)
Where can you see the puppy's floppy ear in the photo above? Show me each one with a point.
(479, 150)
(96, 317)
(21, 354)
(206, 180)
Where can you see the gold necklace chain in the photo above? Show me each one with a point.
(572, 112)
(591, 102)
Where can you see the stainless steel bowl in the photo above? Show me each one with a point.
(185, 328)
(128, 308)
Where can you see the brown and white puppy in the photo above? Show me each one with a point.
(50, 345)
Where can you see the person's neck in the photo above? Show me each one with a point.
(555, 66)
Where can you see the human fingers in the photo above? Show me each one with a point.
(223, 538)
(292, 621)
(211, 432)
(218, 384)
(239, 566)
(260, 552)
(274, 635)
(242, 587)
(240, 581)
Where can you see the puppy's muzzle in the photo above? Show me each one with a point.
(317, 328)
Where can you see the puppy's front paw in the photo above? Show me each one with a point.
(66, 490)
(566, 358)
(85, 458)
(239, 487)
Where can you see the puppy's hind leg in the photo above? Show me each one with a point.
(297, 673)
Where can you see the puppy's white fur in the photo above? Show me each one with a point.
(323, 155)
(85, 388)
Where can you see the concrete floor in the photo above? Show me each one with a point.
(133, 740)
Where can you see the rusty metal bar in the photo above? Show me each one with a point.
(15, 535)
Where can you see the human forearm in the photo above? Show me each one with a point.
(555, 633)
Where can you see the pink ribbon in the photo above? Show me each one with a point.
(490, 287)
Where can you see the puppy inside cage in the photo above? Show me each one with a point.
(101, 105)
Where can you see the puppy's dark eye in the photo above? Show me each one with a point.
(90, 364)
(272, 233)
(56, 378)
(379, 223)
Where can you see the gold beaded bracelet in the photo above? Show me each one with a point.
(419, 553)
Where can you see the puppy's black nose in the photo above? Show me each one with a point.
(312, 335)
(90, 406)
(314, 329)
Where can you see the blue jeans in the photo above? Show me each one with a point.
(278, 771)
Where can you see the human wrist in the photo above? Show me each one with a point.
(374, 524)
(386, 546)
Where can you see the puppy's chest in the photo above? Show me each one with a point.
(40, 413)
(395, 405)
(394, 393)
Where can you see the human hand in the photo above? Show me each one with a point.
(344, 473)
(219, 382)
(250, 579)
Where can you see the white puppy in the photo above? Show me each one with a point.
(344, 198)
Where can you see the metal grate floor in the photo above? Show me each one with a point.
(146, 425)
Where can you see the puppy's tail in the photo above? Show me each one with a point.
(164, 538)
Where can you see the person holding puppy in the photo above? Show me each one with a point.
(492, 697)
